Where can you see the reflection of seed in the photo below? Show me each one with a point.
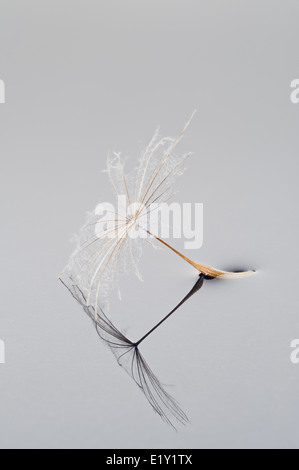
(130, 358)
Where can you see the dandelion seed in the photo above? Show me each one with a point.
(109, 248)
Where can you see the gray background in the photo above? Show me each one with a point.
(86, 76)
